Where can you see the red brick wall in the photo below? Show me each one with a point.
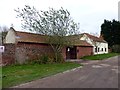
(84, 51)
(24, 51)
(8, 57)
(31, 51)
(64, 53)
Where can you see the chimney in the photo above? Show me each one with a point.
(12, 28)
(101, 36)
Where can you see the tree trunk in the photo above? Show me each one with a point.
(57, 52)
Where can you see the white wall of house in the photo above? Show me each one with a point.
(10, 37)
(86, 38)
(102, 47)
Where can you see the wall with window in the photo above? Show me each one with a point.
(101, 48)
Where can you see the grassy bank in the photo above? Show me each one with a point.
(0, 77)
(14, 75)
(100, 56)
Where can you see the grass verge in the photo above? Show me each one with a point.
(17, 74)
(0, 77)
(100, 56)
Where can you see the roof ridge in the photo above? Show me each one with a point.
(11, 28)
(28, 33)
(95, 38)
(90, 35)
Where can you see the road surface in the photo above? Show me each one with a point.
(94, 74)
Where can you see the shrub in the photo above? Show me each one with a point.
(44, 59)
(116, 48)
(59, 58)
(41, 60)
(50, 60)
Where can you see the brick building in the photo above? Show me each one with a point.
(22, 46)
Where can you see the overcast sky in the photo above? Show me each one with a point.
(89, 13)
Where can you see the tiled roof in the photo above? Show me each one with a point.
(94, 38)
(29, 37)
(81, 43)
(75, 40)
(38, 38)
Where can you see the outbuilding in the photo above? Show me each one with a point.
(22, 46)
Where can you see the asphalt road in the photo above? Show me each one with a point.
(94, 74)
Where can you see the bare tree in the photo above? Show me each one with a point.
(56, 24)
(3, 33)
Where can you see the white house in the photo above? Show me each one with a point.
(100, 46)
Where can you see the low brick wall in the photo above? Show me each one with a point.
(32, 51)
(24, 51)
(84, 51)
(8, 56)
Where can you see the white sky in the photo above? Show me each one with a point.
(89, 13)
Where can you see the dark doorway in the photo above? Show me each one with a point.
(71, 53)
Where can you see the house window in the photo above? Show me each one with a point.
(98, 49)
(105, 49)
(95, 49)
(102, 49)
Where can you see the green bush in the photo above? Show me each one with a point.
(59, 58)
(116, 48)
(40, 60)
(44, 59)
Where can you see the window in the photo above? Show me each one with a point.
(95, 49)
(102, 49)
(105, 49)
(98, 49)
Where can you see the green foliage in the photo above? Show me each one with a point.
(44, 59)
(0, 77)
(59, 58)
(100, 56)
(111, 32)
(116, 48)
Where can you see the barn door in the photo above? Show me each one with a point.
(71, 53)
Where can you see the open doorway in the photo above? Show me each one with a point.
(71, 53)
